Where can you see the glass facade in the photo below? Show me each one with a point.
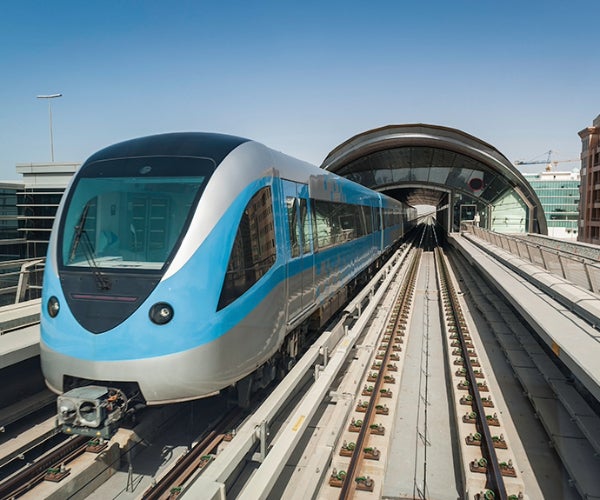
(509, 214)
(36, 209)
(559, 194)
(423, 164)
(10, 246)
(428, 166)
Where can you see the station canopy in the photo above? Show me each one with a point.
(464, 178)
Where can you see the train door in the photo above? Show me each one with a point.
(301, 279)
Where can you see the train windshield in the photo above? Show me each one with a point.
(130, 214)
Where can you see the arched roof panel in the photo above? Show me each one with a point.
(424, 158)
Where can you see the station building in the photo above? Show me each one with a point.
(463, 179)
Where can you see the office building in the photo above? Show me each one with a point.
(559, 195)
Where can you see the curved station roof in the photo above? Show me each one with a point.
(444, 168)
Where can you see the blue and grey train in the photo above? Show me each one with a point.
(183, 264)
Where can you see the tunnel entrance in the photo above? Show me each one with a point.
(467, 180)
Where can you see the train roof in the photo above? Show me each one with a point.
(183, 144)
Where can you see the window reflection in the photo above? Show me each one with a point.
(253, 252)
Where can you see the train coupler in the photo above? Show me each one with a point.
(91, 411)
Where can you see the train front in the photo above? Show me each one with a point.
(117, 322)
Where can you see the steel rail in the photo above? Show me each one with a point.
(26, 479)
(349, 484)
(189, 463)
(184, 468)
(494, 472)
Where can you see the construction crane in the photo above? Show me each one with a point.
(548, 161)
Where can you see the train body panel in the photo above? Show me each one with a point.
(190, 373)
(234, 248)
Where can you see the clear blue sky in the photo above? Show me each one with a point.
(301, 76)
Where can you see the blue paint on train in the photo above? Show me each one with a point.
(193, 288)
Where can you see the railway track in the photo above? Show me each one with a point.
(29, 433)
(365, 429)
(376, 392)
(488, 468)
(480, 420)
(33, 447)
(540, 382)
(52, 467)
(489, 465)
(68, 460)
(193, 462)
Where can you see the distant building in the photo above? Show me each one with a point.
(28, 207)
(37, 202)
(559, 194)
(589, 213)
(12, 243)
(27, 211)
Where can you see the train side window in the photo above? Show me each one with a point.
(348, 225)
(292, 210)
(326, 229)
(351, 222)
(253, 252)
(335, 223)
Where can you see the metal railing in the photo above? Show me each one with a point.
(20, 280)
(577, 270)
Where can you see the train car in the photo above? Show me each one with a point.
(183, 264)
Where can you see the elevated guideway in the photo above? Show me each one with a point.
(19, 332)
(564, 315)
(546, 326)
(553, 350)
(552, 369)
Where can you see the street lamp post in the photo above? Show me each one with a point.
(50, 97)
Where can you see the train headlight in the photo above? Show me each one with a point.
(53, 306)
(161, 313)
